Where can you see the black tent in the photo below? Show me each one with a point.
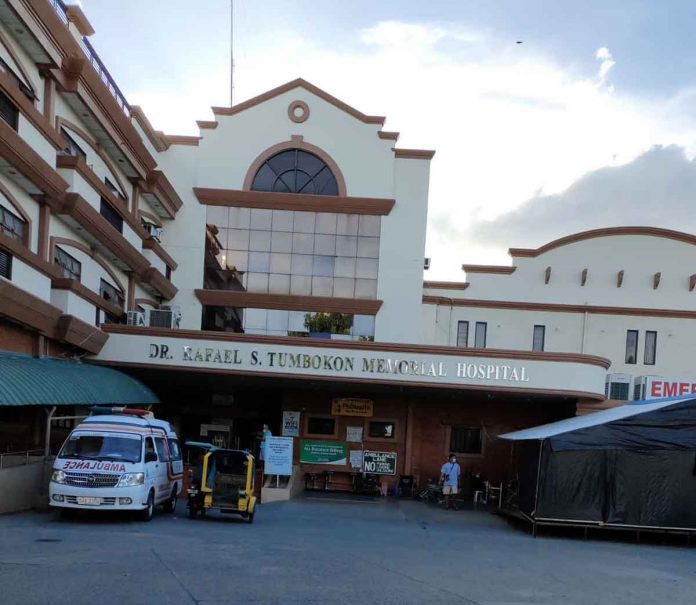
(632, 466)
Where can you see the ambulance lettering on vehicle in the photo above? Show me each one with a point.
(85, 465)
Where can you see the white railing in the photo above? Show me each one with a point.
(94, 60)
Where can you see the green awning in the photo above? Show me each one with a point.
(26, 380)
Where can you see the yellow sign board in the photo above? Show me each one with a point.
(351, 407)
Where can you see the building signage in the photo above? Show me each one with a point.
(291, 424)
(379, 463)
(351, 407)
(354, 434)
(278, 457)
(656, 387)
(356, 458)
(323, 452)
(334, 360)
(246, 357)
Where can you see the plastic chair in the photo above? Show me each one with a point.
(494, 493)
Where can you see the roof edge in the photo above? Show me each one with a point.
(681, 236)
(298, 83)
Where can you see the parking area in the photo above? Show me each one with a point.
(327, 551)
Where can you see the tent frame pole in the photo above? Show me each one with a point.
(536, 491)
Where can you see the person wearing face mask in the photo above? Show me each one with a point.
(449, 477)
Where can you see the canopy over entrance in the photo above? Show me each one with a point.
(26, 380)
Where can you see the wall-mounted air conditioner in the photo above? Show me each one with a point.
(618, 386)
(154, 231)
(136, 318)
(164, 317)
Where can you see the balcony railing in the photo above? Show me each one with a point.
(95, 61)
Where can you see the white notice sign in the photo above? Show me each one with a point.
(356, 458)
(278, 456)
(354, 434)
(291, 424)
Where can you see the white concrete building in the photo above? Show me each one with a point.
(623, 293)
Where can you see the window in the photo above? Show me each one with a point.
(26, 91)
(5, 264)
(321, 426)
(650, 348)
(71, 267)
(115, 190)
(466, 440)
(631, 346)
(480, 335)
(295, 171)
(462, 333)
(149, 448)
(381, 430)
(11, 224)
(174, 449)
(111, 294)
(110, 214)
(538, 338)
(162, 452)
(8, 111)
(72, 148)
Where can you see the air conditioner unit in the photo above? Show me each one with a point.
(426, 264)
(164, 317)
(154, 231)
(136, 318)
(618, 386)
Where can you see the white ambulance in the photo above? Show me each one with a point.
(118, 459)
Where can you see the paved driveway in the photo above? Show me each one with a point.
(315, 551)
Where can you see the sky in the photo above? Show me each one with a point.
(589, 122)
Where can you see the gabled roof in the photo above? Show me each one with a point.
(299, 83)
(686, 238)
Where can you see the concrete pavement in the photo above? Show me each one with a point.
(328, 552)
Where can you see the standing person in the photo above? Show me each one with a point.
(265, 433)
(449, 477)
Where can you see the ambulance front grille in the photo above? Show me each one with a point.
(91, 480)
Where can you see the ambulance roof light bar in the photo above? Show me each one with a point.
(98, 409)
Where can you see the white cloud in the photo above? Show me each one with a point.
(655, 189)
(507, 121)
(607, 62)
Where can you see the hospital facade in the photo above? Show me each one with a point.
(273, 266)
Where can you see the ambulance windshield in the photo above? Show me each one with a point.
(103, 447)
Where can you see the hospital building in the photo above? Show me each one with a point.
(271, 269)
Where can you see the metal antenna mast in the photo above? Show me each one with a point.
(231, 53)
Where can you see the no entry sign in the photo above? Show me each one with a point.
(379, 463)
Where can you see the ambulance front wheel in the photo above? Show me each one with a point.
(149, 510)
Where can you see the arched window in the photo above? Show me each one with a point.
(295, 171)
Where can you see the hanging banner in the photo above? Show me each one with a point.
(323, 452)
(354, 434)
(278, 458)
(379, 463)
(351, 407)
(291, 424)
